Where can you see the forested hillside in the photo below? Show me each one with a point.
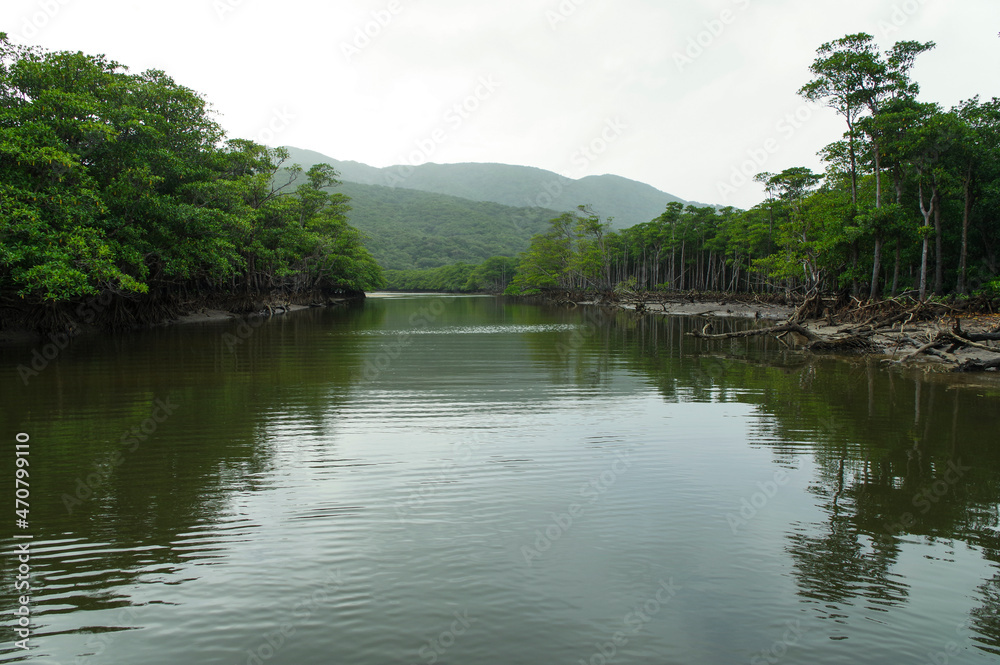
(409, 229)
(123, 185)
(626, 202)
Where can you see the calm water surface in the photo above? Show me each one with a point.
(429, 479)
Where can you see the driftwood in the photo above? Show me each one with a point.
(955, 341)
(816, 342)
(862, 323)
(938, 340)
(974, 337)
(973, 365)
(756, 332)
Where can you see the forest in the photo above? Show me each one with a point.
(408, 229)
(908, 203)
(124, 185)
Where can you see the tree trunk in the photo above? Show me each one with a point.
(895, 270)
(855, 287)
(938, 259)
(854, 161)
(876, 267)
(683, 280)
(966, 213)
(877, 257)
(925, 245)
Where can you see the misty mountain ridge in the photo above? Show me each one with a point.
(626, 202)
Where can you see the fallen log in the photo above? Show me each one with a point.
(974, 337)
(973, 365)
(939, 339)
(756, 332)
(968, 342)
(853, 343)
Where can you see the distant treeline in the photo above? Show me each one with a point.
(123, 184)
(409, 229)
(492, 276)
(909, 202)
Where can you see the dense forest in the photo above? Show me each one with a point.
(408, 229)
(627, 202)
(123, 185)
(492, 276)
(909, 202)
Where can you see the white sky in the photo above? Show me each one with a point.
(534, 80)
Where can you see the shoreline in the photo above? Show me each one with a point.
(904, 343)
(188, 315)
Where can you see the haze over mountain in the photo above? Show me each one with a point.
(410, 229)
(626, 202)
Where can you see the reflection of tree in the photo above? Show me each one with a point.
(842, 564)
(845, 559)
(127, 524)
(986, 619)
(880, 441)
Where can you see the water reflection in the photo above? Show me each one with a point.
(899, 458)
(412, 448)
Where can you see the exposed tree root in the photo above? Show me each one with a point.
(815, 341)
(978, 365)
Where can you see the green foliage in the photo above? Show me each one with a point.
(493, 275)
(573, 253)
(111, 181)
(452, 278)
(820, 232)
(409, 229)
(991, 289)
(627, 201)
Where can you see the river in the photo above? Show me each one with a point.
(437, 479)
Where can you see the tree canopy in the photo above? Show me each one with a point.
(125, 183)
(907, 177)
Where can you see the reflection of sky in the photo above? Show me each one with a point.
(422, 488)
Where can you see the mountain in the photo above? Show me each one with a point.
(627, 202)
(410, 229)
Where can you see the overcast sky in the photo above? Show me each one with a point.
(679, 95)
